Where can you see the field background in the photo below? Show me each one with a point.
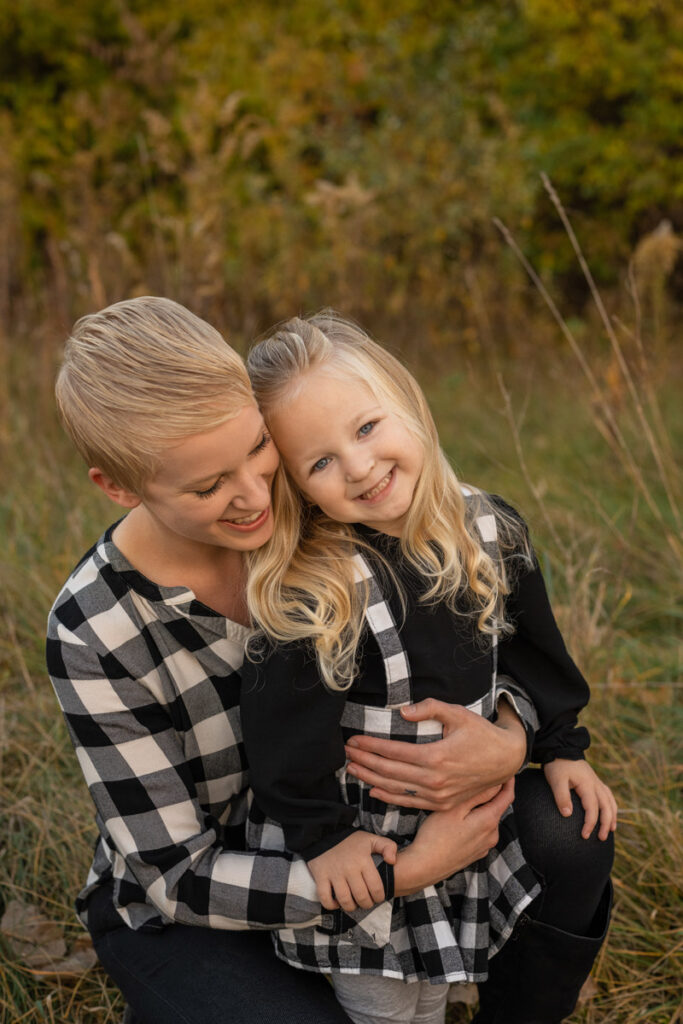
(254, 160)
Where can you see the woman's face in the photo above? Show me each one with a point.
(214, 488)
(348, 452)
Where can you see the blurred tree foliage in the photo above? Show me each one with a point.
(252, 158)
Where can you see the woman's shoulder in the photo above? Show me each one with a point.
(85, 579)
(95, 604)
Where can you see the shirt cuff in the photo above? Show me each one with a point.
(521, 702)
(386, 873)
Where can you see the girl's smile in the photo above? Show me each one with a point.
(348, 452)
(378, 492)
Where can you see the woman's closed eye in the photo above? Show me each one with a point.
(263, 443)
(211, 490)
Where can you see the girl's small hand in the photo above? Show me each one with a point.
(346, 875)
(597, 799)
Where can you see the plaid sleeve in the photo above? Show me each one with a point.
(536, 657)
(132, 757)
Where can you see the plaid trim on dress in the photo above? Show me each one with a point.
(446, 932)
(148, 680)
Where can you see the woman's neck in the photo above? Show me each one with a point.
(216, 576)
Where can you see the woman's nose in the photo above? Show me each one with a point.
(253, 492)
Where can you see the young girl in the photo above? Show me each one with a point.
(391, 583)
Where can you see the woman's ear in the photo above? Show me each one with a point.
(119, 494)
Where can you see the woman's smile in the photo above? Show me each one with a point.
(250, 522)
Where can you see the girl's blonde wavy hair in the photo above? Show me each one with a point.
(302, 583)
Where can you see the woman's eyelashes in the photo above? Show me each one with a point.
(210, 490)
(263, 443)
(366, 428)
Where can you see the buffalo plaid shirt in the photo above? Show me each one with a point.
(148, 680)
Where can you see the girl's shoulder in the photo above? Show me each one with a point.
(479, 503)
(511, 532)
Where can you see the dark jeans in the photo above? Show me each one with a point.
(185, 975)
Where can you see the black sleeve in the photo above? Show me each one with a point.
(294, 746)
(536, 657)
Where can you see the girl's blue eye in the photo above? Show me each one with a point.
(320, 464)
(366, 428)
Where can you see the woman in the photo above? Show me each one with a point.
(145, 643)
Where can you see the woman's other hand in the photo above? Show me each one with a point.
(448, 841)
(473, 756)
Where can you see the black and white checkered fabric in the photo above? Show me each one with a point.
(147, 678)
(447, 932)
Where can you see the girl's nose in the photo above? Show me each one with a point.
(358, 466)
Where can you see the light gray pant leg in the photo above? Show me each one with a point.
(371, 999)
(431, 1003)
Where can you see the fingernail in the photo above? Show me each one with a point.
(352, 769)
(566, 811)
(408, 709)
(352, 743)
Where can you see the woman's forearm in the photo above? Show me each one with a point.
(449, 841)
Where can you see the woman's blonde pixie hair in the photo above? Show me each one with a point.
(301, 584)
(140, 375)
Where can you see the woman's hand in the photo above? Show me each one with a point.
(448, 841)
(596, 797)
(473, 756)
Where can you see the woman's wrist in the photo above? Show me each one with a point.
(409, 876)
(514, 736)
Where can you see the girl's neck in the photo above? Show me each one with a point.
(370, 528)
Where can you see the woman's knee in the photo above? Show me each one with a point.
(553, 843)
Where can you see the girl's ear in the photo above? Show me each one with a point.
(120, 495)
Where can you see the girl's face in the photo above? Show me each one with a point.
(348, 452)
(214, 488)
